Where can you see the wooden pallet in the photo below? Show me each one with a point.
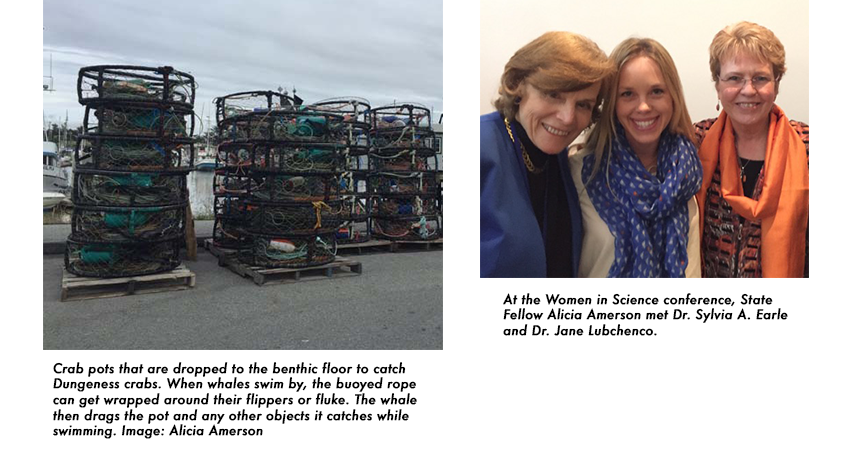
(364, 247)
(84, 288)
(389, 245)
(220, 253)
(263, 276)
(423, 244)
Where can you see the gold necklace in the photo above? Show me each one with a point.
(529, 165)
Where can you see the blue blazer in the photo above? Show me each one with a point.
(511, 241)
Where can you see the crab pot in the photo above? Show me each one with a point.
(241, 104)
(295, 218)
(230, 228)
(134, 84)
(296, 158)
(231, 233)
(283, 126)
(235, 157)
(231, 184)
(410, 227)
(292, 251)
(355, 116)
(403, 161)
(129, 189)
(146, 120)
(404, 206)
(295, 187)
(394, 183)
(124, 225)
(113, 260)
(133, 154)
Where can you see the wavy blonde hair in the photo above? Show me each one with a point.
(602, 135)
(555, 61)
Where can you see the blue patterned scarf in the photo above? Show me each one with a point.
(647, 215)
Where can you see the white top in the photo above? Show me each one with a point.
(598, 243)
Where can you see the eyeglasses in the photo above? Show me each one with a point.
(739, 82)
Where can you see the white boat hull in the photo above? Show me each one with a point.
(52, 199)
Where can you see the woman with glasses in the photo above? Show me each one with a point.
(754, 199)
(639, 172)
(551, 90)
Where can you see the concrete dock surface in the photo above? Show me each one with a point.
(397, 303)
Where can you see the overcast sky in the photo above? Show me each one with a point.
(378, 50)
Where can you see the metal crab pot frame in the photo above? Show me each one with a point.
(127, 225)
(392, 140)
(404, 160)
(410, 183)
(356, 118)
(398, 116)
(412, 227)
(234, 157)
(230, 228)
(103, 260)
(129, 189)
(284, 126)
(292, 251)
(128, 153)
(133, 84)
(243, 103)
(404, 206)
(229, 184)
(295, 218)
(295, 187)
(139, 120)
(293, 157)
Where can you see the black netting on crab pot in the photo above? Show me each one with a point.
(401, 160)
(112, 260)
(133, 154)
(235, 157)
(294, 157)
(134, 84)
(126, 225)
(404, 206)
(244, 104)
(292, 251)
(295, 187)
(126, 189)
(231, 234)
(393, 183)
(149, 121)
(410, 227)
(296, 218)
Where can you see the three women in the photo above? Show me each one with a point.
(637, 176)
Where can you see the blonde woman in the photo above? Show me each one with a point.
(639, 172)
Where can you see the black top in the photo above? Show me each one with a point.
(750, 174)
(546, 190)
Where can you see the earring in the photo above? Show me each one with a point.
(517, 100)
(718, 105)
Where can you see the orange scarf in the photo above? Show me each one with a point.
(783, 205)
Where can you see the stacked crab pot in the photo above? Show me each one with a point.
(293, 208)
(403, 183)
(131, 162)
(233, 180)
(354, 155)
